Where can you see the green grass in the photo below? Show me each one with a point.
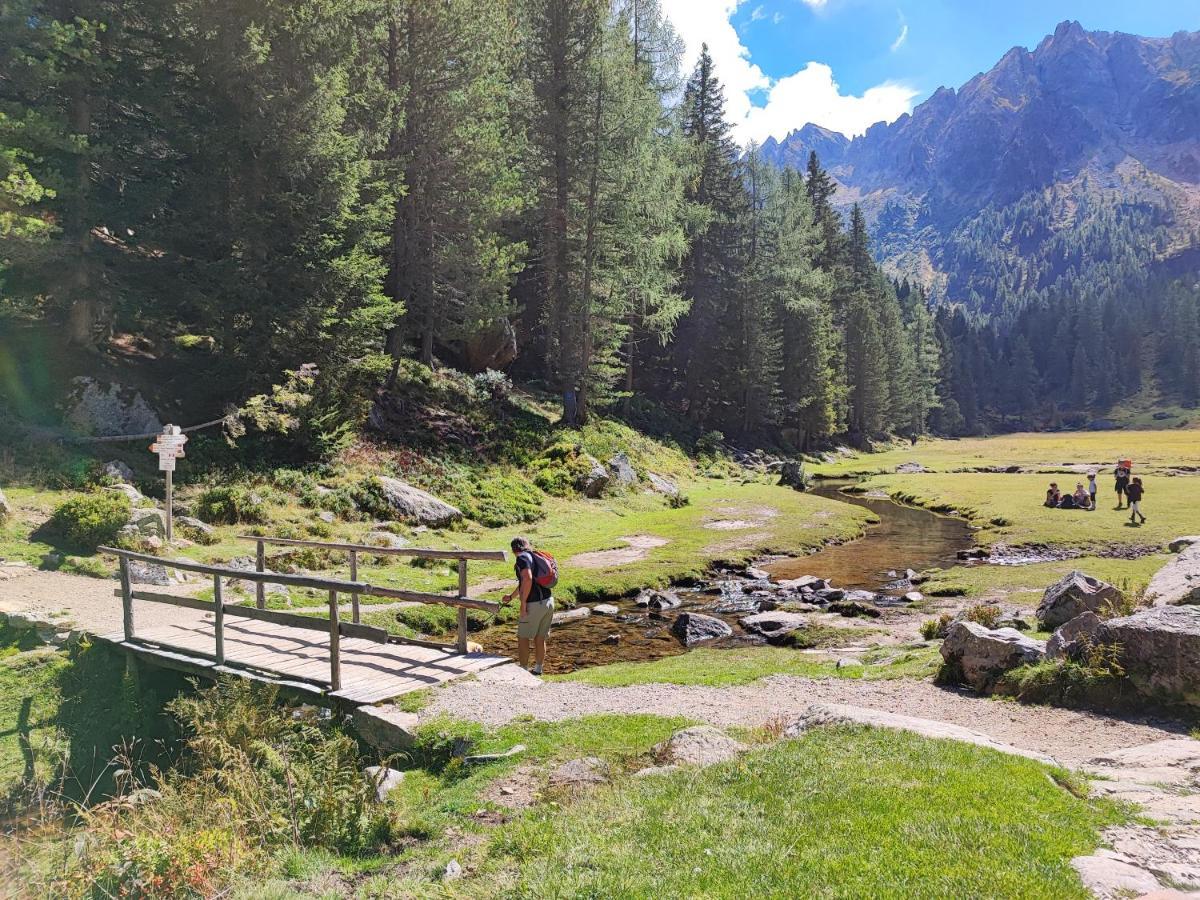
(31, 746)
(744, 665)
(818, 816)
(1024, 585)
(1008, 508)
(1151, 450)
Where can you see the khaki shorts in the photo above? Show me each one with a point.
(537, 620)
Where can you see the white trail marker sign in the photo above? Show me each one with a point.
(169, 447)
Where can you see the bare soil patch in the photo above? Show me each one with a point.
(639, 547)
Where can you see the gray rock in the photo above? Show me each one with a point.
(757, 574)
(855, 608)
(809, 582)
(980, 655)
(593, 483)
(1160, 649)
(914, 597)
(452, 871)
(1178, 582)
(415, 505)
(387, 728)
(149, 521)
(663, 485)
(910, 468)
(621, 470)
(828, 595)
(606, 609)
(658, 600)
(655, 770)
(579, 772)
(832, 714)
(848, 662)
(6, 509)
(514, 750)
(700, 745)
(571, 615)
(1105, 876)
(1064, 639)
(775, 625)
(385, 780)
(107, 409)
(1075, 593)
(326, 516)
(791, 474)
(198, 531)
(117, 471)
(149, 573)
(385, 540)
(1181, 543)
(694, 628)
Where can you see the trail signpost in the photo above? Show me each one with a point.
(169, 447)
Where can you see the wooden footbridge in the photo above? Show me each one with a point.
(329, 660)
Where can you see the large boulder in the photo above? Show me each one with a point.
(592, 482)
(1178, 582)
(663, 485)
(107, 409)
(1067, 638)
(621, 470)
(149, 522)
(1160, 649)
(134, 496)
(694, 628)
(791, 474)
(700, 745)
(387, 728)
(978, 656)
(775, 626)
(493, 347)
(6, 509)
(415, 505)
(1075, 593)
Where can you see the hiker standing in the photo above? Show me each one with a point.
(1121, 475)
(1134, 492)
(1091, 486)
(536, 574)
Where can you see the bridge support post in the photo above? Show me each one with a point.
(219, 620)
(462, 610)
(335, 650)
(354, 577)
(260, 564)
(126, 599)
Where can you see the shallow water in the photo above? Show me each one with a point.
(906, 537)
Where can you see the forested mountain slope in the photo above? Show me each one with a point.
(1074, 166)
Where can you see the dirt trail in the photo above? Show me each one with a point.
(1070, 737)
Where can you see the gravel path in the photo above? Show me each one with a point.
(1070, 737)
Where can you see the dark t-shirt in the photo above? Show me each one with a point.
(1134, 492)
(537, 593)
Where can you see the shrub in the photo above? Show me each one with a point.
(985, 614)
(230, 504)
(936, 628)
(492, 385)
(89, 520)
(560, 468)
(500, 500)
(678, 501)
(368, 496)
(711, 443)
(1095, 679)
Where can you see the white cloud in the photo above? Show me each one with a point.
(758, 13)
(900, 39)
(809, 95)
(777, 18)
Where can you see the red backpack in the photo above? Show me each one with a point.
(547, 574)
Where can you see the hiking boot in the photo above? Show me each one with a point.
(536, 670)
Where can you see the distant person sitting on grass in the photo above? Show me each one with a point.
(1082, 500)
(1053, 496)
(1092, 490)
(1134, 492)
(536, 575)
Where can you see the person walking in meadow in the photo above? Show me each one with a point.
(1091, 486)
(537, 574)
(1134, 493)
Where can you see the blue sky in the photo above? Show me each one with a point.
(848, 63)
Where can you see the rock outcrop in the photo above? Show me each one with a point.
(386, 728)
(694, 628)
(1064, 643)
(415, 505)
(1178, 582)
(592, 482)
(621, 470)
(662, 485)
(105, 410)
(978, 656)
(775, 626)
(490, 348)
(1160, 650)
(1075, 593)
(700, 745)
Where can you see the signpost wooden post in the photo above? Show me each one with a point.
(169, 447)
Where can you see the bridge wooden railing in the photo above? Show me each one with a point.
(462, 601)
(334, 626)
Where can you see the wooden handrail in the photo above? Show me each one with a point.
(482, 555)
(418, 597)
(302, 581)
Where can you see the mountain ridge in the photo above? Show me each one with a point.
(1088, 127)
